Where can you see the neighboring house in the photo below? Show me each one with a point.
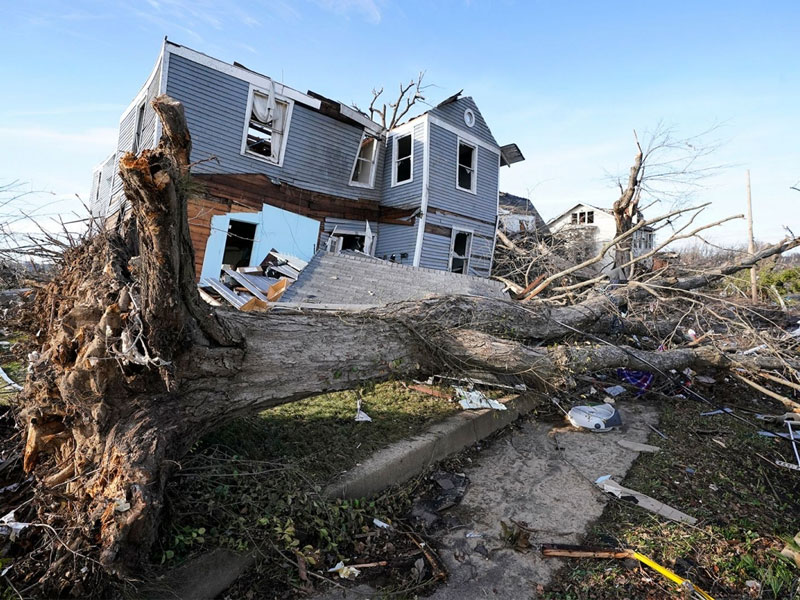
(599, 226)
(518, 215)
(298, 172)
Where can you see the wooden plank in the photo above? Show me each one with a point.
(245, 283)
(438, 230)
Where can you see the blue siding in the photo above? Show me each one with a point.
(127, 131)
(406, 194)
(453, 114)
(443, 192)
(319, 150)
(396, 239)
(436, 248)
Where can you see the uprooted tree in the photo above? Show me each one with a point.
(134, 367)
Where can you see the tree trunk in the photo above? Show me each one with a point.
(626, 208)
(135, 367)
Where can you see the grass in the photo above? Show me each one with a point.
(256, 485)
(320, 434)
(747, 508)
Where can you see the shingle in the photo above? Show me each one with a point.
(347, 278)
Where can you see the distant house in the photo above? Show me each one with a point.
(599, 225)
(519, 215)
(300, 173)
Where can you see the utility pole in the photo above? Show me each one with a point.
(751, 243)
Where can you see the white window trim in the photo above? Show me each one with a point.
(374, 161)
(474, 188)
(290, 105)
(395, 183)
(138, 128)
(471, 233)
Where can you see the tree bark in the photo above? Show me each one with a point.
(626, 207)
(135, 367)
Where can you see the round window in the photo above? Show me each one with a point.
(469, 117)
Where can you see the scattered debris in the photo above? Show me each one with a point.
(361, 416)
(9, 382)
(381, 524)
(470, 400)
(453, 486)
(641, 379)
(636, 446)
(569, 551)
(602, 417)
(657, 431)
(614, 390)
(705, 379)
(10, 527)
(792, 550)
(793, 438)
(424, 389)
(345, 572)
(607, 484)
(719, 411)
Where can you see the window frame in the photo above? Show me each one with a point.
(374, 161)
(245, 151)
(395, 161)
(468, 256)
(138, 128)
(474, 180)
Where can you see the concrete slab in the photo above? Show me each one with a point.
(540, 476)
(403, 460)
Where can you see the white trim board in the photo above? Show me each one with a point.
(289, 109)
(423, 209)
(142, 94)
(242, 73)
(466, 136)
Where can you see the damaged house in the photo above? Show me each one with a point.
(592, 226)
(279, 169)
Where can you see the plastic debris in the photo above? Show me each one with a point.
(641, 379)
(602, 417)
(9, 382)
(121, 505)
(345, 572)
(705, 379)
(471, 400)
(614, 390)
(381, 524)
(607, 484)
(361, 416)
(11, 527)
(473, 534)
(638, 447)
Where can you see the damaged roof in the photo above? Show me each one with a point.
(356, 278)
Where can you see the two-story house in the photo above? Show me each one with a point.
(599, 226)
(280, 169)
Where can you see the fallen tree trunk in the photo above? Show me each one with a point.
(134, 367)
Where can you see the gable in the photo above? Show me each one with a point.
(452, 113)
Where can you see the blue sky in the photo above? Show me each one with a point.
(568, 82)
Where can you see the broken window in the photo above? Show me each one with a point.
(402, 159)
(266, 126)
(239, 244)
(364, 169)
(137, 135)
(459, 251)
(583, 217)
(467, 155)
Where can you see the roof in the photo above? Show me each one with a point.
(569, 210)
(522, 206)
(356, 278)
